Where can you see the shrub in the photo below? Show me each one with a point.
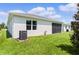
(75, 27)
(75, 37)
(2, 26)
(2, 36)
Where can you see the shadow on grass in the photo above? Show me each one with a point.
(8, 35)
(69, 49)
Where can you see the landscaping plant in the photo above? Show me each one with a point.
(75, 27)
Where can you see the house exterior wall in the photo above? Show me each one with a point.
(10, 26)
(19, 24)
(62, 28)
(67, 27)
(42, 27)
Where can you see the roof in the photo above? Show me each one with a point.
(32, 16)
(67, 24)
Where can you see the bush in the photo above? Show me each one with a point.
(75, 27)
(2, 36)
(2, 26)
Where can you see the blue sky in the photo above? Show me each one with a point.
(59, 11)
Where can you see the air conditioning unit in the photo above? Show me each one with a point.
(22, 35)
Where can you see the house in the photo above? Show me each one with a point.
(33, 25)
(67, 27)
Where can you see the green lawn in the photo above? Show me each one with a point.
(55, 44)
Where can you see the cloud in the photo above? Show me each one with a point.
(68, 8)
(3, 13)
(48, 12)
(16, 11)
(3, 16)
(58, 16)
(51, 10)
(36, 10)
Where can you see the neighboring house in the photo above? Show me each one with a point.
(67, 27)
(33, 25)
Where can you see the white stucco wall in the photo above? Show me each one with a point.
(10, 27)
(67, 27)
(42, 26)
(19, 24)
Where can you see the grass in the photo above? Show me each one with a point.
(55, 44)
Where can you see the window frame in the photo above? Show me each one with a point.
(28, 25)
(33, 26)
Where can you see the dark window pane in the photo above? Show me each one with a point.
(28, 27)
(34, 27)
(28, 22)
(34, 23)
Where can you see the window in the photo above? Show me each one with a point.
(28, 22)
(34, 25)
(28, 25)
(31, 24)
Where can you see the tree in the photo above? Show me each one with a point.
(75, 27)
(2, 26)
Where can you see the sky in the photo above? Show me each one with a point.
(58, 11)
